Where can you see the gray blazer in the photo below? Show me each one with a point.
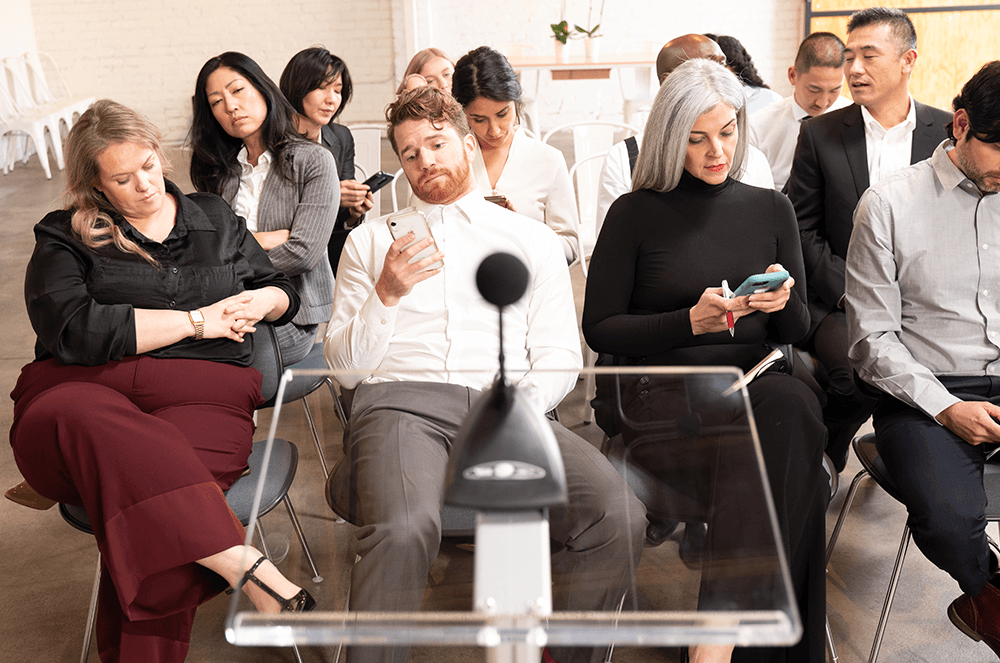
(308, 208)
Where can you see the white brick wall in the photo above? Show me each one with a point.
(147, 54)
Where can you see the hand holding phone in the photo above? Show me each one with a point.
(412, 220)
(765, 282)
(377, 181)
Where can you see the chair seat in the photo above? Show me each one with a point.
(280, 473)
(867, 453)
(303, 385)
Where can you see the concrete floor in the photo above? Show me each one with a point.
(46, 568)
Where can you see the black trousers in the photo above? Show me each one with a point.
(846, 407)
(940, 478)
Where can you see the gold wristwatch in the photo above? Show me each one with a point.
(198, 320)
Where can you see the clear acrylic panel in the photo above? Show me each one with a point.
(683, 449)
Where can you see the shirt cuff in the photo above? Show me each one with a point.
(938, 403)
(378, 317)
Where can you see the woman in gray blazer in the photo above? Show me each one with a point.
(245, 148)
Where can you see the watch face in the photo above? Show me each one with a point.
(197, 316)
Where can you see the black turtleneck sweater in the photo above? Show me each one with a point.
(658, 252)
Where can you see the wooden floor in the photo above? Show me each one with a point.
(46, 568)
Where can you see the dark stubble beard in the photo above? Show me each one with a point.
(977, 176)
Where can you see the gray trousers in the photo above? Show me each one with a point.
(400, 438)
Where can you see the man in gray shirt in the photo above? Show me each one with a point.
(923, 313)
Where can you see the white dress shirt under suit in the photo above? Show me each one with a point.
(774, 130)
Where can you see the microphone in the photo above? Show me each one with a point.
(505, 455)
(502, 279)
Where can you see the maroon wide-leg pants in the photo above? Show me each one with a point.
(147, 446)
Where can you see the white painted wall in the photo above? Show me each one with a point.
(770, 29)
(18, 29)
(147, 53)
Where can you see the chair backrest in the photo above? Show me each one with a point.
(586, 177)
(368, 154)
(590, 137)
(267, 359)
(400, 190)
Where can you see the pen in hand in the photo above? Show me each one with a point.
(727, 293)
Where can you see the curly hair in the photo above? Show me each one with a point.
(425, 103)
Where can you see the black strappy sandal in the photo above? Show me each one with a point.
(301, 602)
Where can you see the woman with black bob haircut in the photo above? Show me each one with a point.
(318, 85)
(521, 173)
(245, 147)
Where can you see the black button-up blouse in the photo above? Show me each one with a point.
(82, 302)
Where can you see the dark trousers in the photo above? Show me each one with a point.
(847, 408)
(940, 479)
(146, 446)
(400, 438)
(707, 459)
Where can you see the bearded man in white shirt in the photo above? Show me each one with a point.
(413, 331)
(924, 328)
(817, 78)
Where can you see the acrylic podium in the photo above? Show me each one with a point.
(686, 445)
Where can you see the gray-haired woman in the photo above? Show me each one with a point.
(653, 298)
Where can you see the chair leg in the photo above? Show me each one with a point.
(302, 538)
(890, 594)
(843, 513)
(92, 612)
(264, 548)
(829, 643)
(319, 445)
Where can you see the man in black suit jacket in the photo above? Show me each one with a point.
(836, 155)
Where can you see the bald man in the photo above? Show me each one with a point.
(616, 175)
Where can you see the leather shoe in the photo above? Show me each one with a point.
(979, 616)
(693, 544)
(657, 531)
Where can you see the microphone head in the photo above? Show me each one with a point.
(502, 279)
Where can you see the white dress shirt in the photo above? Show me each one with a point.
(888, 149)
(616, 176)
(251, 184)
(536, 182)
(774, 130)
(444, 328)
(759, 98)
(923, 282)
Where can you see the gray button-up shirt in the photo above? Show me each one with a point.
(923, 282)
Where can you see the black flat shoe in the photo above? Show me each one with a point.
(693, 544)
(301, 602)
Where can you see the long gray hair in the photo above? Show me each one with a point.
(690, 91)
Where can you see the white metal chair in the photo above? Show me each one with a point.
(368, 155)
(873, 467)
(585, 175)
(33, 126)
(66, 105)
(400, 190)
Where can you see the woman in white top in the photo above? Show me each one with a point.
(514, 170)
